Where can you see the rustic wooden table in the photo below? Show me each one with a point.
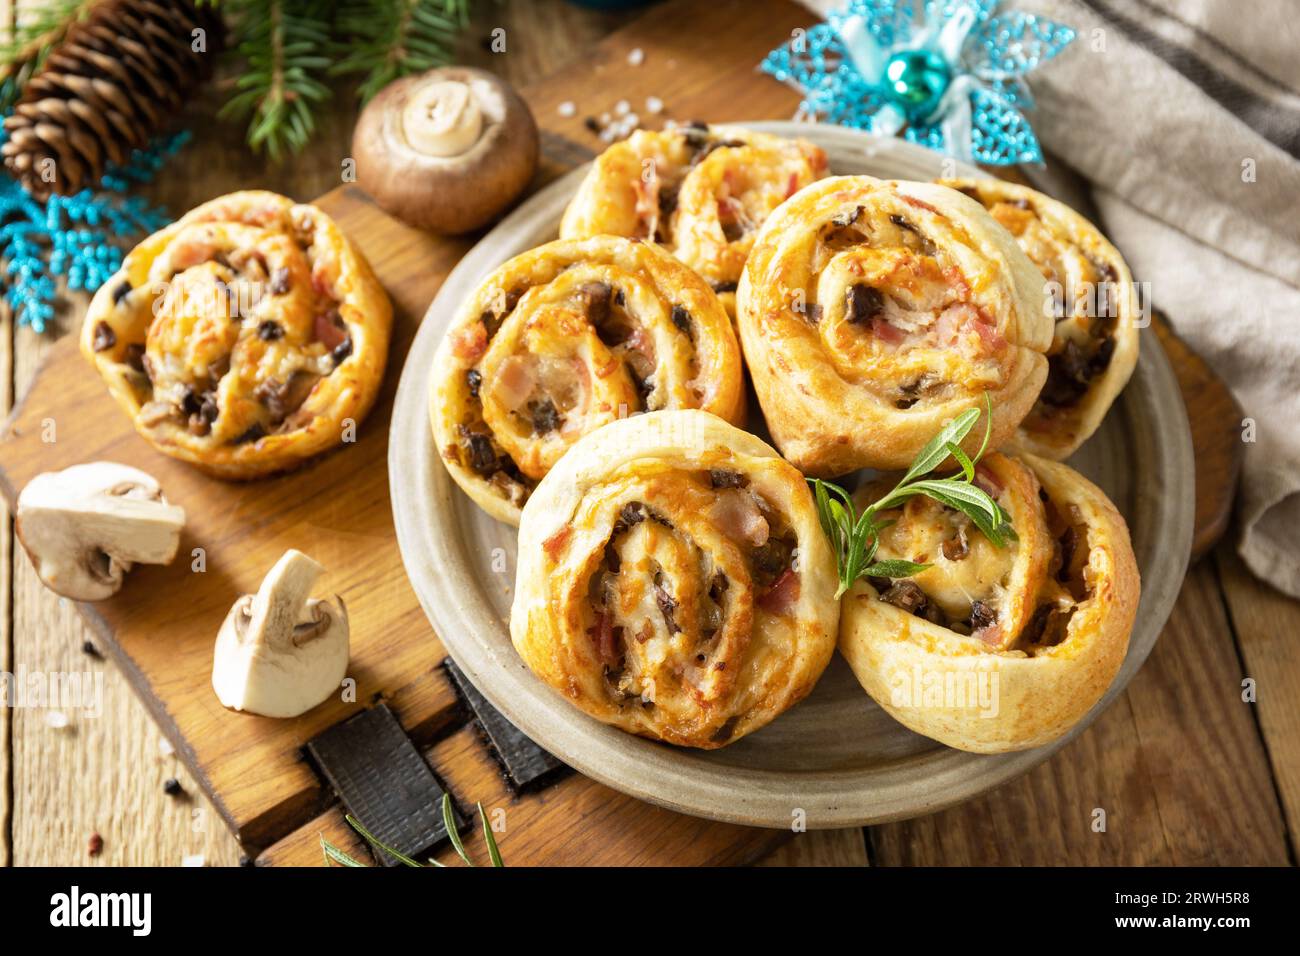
(1187, 772)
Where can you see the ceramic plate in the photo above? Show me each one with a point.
(836, 756)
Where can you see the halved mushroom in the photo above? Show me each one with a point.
(446, 150)
(84, 527)
(280, 651)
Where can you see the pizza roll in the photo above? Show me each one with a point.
(245, 338)
(1095, 305)
(566, 338)
(872, 312)
(674, 581)
(701, 191)
(995, 649)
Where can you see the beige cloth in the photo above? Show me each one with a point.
(1185, 117)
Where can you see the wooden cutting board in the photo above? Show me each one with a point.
(160, 629)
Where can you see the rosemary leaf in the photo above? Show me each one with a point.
(489, 839)
(893, 568)
(855, 538)
(449, 822)
(334, 853)
(374, 841)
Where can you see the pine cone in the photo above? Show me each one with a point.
(116, 79)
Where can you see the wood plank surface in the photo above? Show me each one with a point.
(575, 822)
(1265, 623)
(1176, 765)
(1146, 762)
(107, 774)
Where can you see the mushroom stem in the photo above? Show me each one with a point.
(281, 600)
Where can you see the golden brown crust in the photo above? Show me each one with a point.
(701, 191)
(674, 580)
(871, 312)
(245, 338)
(1056, 609)
(566, 338)
(1095, 346)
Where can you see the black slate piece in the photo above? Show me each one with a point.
(384, 782)
(525, 764)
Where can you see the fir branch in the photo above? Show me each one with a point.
(398, 37)
(33, 37)
(285, 44)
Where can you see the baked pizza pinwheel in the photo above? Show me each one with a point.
(245, 338)
(994, 649)
(566, 338)
(1095, 306)
(871, 312)
(674, 581)
(701, 191)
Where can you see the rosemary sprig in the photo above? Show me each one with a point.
(855, 537)
(334, 854)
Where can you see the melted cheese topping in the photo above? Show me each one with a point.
(675, 594)
(1017, 586)
(702, 192)
(567, 338)
(244, 336)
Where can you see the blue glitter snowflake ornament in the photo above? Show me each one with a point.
(951, 79)
(77, 238)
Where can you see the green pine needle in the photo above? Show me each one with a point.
(286, 49)
(855, 537)
(290, 48)
(397, 38)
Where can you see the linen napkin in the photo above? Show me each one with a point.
(1184, 117)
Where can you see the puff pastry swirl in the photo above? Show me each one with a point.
(245, 338)
(871, 312)
(566, 338)
(701, 191)
(674, 581)
(1096, 308)
(990, 649)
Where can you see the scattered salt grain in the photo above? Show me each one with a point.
(635, 57)
(622, 108)
(196, 859)
(654, 105)
(568, 108)
(56, 719)
(165, 747)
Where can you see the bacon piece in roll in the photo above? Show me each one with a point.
(994, 649)
(873, 312)
(566, 338)
(674, 580)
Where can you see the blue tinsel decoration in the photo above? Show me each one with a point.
(947, 74)
(75, 237)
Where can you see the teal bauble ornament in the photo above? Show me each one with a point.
(916, 80)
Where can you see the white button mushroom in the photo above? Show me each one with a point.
(84, 527)
(447, 150)
(280, 651)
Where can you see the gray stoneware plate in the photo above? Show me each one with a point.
(836, 756)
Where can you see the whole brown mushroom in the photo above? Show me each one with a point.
(447, 150)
